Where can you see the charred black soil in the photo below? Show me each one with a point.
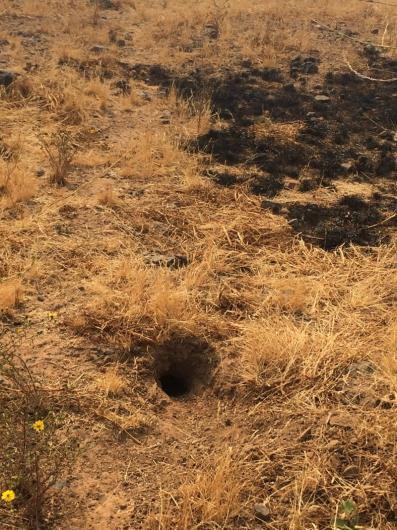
(344, 129)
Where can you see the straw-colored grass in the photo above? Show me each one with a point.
(298, 411)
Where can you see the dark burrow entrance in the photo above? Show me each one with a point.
(182, 366)
(174, 385)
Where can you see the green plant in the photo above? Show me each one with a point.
(347, 516)
(35, 456)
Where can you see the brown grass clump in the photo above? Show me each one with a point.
(111, 382)
(60, 150)
(212, 498)
(136, 302)
(17, 184)
(11, 293)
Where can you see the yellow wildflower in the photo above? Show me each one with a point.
(8, 496)
(52, 315)
(38, 425)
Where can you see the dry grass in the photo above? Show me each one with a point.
(16, 184)
(11, 293)
(213, 498)
(137, 255)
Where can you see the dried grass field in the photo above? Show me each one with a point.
(198, 272)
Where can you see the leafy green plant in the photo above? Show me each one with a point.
(347, 516)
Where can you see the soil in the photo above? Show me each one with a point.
(348, 136)
(215, 302)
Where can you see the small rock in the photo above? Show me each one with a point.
(347, 166)
(121, 43)
(322, 98)
(145, 95)
(261, 511)
(6, 77)
(97, 48)
(40, 172)
(60, 484)
(172, 262)
(341, 420)
(303, 65)
(375, 31)
(165, 118)
(107, 4)
(4, 42)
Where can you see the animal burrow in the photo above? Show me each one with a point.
(182, 366)
(174, 383)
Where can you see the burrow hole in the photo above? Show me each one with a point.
(174, 385)
(183, 366)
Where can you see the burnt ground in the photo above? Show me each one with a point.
(344, 130)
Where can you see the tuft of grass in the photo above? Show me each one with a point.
(111, 382)
(211, 498)
(60, 149)
(11, 293)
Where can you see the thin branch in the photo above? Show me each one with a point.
(368, 78)
(385, 32)
(379, 2)
(346, 35)
(384, 221)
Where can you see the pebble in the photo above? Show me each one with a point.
(165, 118)
(347, 166)
(322, 98)
(261, 511)
(97, 49)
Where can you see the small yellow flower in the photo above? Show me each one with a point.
(38, 425)
(52, 315)
(8, 496)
